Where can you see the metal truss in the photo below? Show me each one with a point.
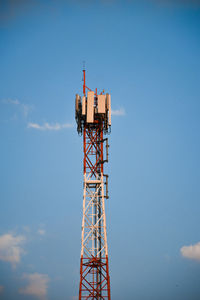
(94, 272)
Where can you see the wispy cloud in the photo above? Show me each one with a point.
(24, 108)
(41, 231)
(11, 248)
(48, 126)
(191, 251)
(1, 288)
(37, 285)
(118, 112)
(10, 101)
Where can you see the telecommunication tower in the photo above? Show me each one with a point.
(93, 117)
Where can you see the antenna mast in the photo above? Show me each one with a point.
(93, 117)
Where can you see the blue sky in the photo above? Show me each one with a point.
(146, 55)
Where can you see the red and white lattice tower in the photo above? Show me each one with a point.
(93, 117)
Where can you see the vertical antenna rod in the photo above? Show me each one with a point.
(84, 78)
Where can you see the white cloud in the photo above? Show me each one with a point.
(11, 101)
(118, 112)
(191, 252)
(25, 108)
(37, 285)
(1, 288)
(11, 248)
(41, 231)
(47, 126)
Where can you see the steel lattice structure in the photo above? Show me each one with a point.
(94, 269)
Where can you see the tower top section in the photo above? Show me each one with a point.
(93, 109)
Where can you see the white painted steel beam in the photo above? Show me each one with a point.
(94, 224)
